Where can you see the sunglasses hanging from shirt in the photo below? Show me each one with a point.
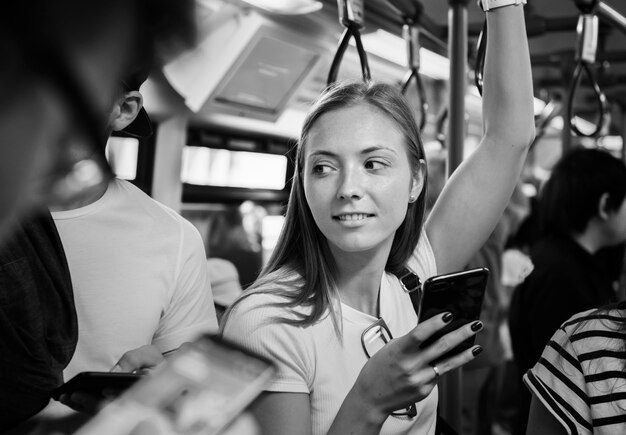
(351, 16)
(586, 49)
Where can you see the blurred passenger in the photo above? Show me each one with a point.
(581, 210)
(326, 305)
(229, 240)
(578, 384)
(138, 269)
(37, 318)
(224, 284)
(60, 61)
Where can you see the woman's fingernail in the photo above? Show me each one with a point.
(477, 326)
(447, 318)
(477, 350)
(116, 368)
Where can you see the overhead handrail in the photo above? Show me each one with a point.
(587, 47)
(351, 17)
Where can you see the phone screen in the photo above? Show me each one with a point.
(200, 389)
(460, 293)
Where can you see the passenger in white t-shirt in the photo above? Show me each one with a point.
(354, 220)
(141, 284)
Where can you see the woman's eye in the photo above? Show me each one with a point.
(374, 164)
(321, 169)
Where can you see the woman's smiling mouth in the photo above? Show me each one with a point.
(350, 217)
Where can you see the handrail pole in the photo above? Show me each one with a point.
(457, 53)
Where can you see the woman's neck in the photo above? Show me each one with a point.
(358, 280)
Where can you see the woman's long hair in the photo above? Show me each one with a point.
(301, 267)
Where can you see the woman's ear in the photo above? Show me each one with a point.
(417, 181)
(603, 206)
(126, 110)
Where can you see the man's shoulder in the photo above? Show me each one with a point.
(143, 203)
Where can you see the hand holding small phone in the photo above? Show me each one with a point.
(458, 293)
(202, 388)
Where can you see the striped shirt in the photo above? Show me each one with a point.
(581, 377)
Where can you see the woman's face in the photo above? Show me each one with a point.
(357, 178)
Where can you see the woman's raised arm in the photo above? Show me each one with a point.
(477, 193)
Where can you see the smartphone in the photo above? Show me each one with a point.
(199, 390)
(97, 383)
(460, 293)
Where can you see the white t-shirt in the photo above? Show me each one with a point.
(315, 361)
(139, 276)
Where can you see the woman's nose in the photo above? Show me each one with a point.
(350, 185)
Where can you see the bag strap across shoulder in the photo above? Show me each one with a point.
(412, 285)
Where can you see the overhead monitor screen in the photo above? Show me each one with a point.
(225, 168)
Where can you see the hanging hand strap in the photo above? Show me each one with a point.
(351, 17)
(586, 56)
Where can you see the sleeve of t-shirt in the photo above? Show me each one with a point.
(190, 311)
(558, 381)
(253, 325)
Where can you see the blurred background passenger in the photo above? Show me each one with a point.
(37, 318)
(581, 210)
(229, 240)
(224, 284)
(60, 63)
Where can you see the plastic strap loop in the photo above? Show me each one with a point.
(410, 32)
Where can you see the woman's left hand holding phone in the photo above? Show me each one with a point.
(402, 373)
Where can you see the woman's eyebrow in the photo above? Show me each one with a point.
(321, 153)
(378, 148)
(367, 150)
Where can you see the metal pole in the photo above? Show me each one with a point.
(451, 385)
(457, 53)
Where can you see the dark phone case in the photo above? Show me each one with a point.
(96, 382)
(460, 293)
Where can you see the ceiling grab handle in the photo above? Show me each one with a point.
(587, 46)
(351, 17)
(479, 68)
(411, 11)
(410, 32)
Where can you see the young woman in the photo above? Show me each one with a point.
(354, 219)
